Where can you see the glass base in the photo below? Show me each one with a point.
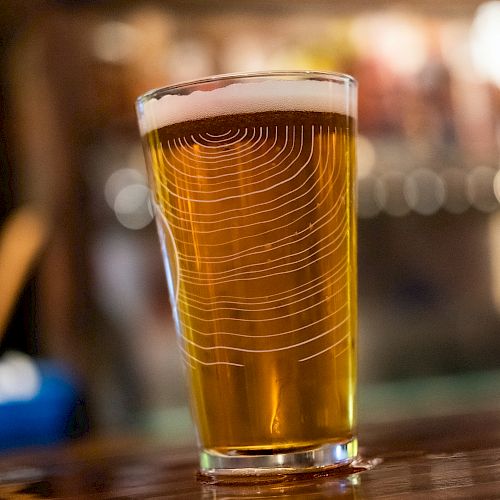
(331, 455)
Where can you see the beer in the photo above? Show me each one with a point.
(255, 213)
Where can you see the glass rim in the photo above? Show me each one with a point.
(332, 76)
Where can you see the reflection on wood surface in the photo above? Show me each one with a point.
(449, 457)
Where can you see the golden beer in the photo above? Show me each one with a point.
(256, 218)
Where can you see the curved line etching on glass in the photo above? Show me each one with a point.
(210, 199)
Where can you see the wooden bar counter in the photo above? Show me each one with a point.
(448, 457)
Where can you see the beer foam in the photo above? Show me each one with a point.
(250, 97)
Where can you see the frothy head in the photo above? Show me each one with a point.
(249, 97)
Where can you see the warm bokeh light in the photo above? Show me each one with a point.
(400, 41)
(456, 201)
(479, 188)
(485, 41)
(389, 193)
(424, 191)
(19, 378)
(366, 156)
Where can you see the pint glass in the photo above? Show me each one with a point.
(253, 186)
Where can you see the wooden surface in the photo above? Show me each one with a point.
(455, 457)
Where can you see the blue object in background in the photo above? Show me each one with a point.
(38, 401)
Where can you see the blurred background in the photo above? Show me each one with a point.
(87, 329)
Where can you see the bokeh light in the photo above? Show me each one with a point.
(424, 191)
